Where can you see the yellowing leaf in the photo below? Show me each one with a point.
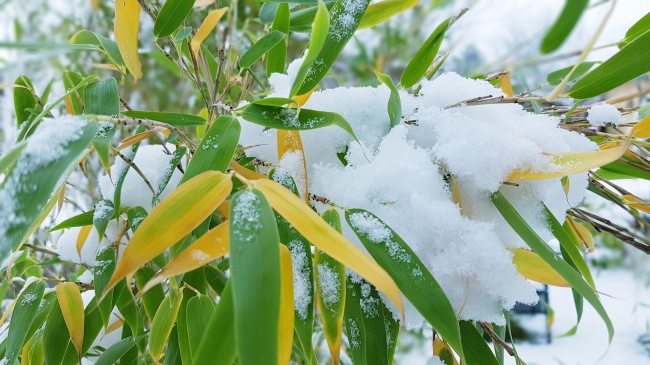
(114, 326)
(213, 244)
(127, 142)
(203, 3)
(319, 233)
(224, 208)
(208, 24)
(72, 308)
(174, 218)
(506, 85)
(642, 128)
(290, 142)
(569, 163)
(381, 11)
(455, 192)
(83, 236)
(285, 336)
(635, 202)
(440, 347)
(533, 267)
(127, 23)
(566, 185)
(582, 234)
(248, 174)
(302, 99)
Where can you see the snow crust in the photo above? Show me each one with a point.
(602, 114)
(399, 175)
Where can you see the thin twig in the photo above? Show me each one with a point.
(496, 339)
(136, 168)
(148, 123)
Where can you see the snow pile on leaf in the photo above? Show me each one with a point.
(399, 174)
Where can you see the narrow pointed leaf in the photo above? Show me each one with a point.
(277, 56)
(256, 280)
(321, 235)
(72, 308)
(217, 345)
(103, 213)
(318, 39)
(379, 12)
(175, 217)
(163, 177)
(113, 354)
(23, 315)
(152, 298)
(216, 148)
(104, 266)
(531, 238)
(162, 324)
(582, 234)
(24, 99)
(175, 119)
(556, 77)
(641, 129)
(476, 350)
(106, 46)
(394, 103)
(639, 28)
(289, 142)
(285, 334)
(206, 27)
(412, 276)
(564, 24)
(213, 244)
(127, 23)
(171, 16)
(260, 48)
(534, 268)
(200, 310)
(423, 58)
(9, 158)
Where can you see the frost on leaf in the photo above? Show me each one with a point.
(246, 216)
(302, 289)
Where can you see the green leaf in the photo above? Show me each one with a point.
(392, 324)
(182, 34)
(260, 48)
(301, 20)
(70, 80)
(394, 102)
(107, 47)
(135, 216)
(381, 11)
(419, 64)
(476, 350)
(216, 149)
(268, 11)
(171, 16)
(103, 213)
(104, 267)
(623, 168)
(200, 310)
(639, 28)
(174, 119)
(22, 318)
(217, 345)
(10, 157)
(410, 274)
(629, 63)
(255, 275)
(36, 176)
(317, 41)
(344, 19)
(164, 175)
(556, 77)
(277, 56)
(563, 26)
(55, 336)
(80, 220)
(152, 298)
(24, 99)
(121, 174)
(113, 354)
(102, 98)
(540, 247)
(289, 119)
(162, 324)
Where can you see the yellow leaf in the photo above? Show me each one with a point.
(127, 142)
(637, 203)
(224, 208)
(215, 243)
(248, 174)
(455, 193)
(171, 220)
(208, 24)
(285, 336)
(642, 128)
(127, 23)
(203, 3)
(321, 235)
(72, 308)
(533, 267)
(569, 163)
(83, 236)
(506, 85)
(582, 234)
(566, 185)
(114, 326)
(69, 109)
(439, 346)
(290, 142)
(61, 200)
(302, 99)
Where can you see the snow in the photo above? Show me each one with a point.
(66, 245)
(328, 285)
(245, 216)
(28, 298)
(199, 255)
(102, 211)
(435, 360)
(294, 164)
(602, 114)
(86, 277)
(302, 289)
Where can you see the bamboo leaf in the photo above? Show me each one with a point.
(175, 119)
(629, 63)
(72, 308)
(564, 24)
(206, 27)
(216, 149)
(102, 98)
(582, 234)
(213, 244)
(394, 103)
(476, 350)
(104, 266)
(289, 142)
(162, 324)
(640, 27)
(113, 354)
(285, 333)
(260, 48)
(127, 23)
(10, 157)
(278, 55)
(379, 12)
(163, 178)
(423, 58)
(107, 47)
(24, 99)
(641, 129)
(531, 238)
(103, 213)
(152, 298)
(410, 274)
(319, 35)
(255, 273)
(170, 221)
(171, 16)
(218, 345)
(326, 238)
(533, 267)
(27, 305)
(556, 77)
(200, 309)
(55, 336)
(289, 118)
(330, 289)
